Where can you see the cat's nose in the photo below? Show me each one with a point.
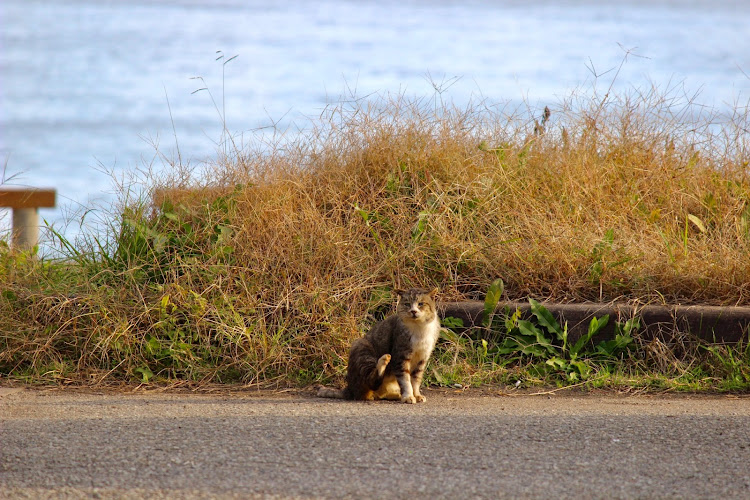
(414, 313)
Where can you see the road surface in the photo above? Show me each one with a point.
(459, 444)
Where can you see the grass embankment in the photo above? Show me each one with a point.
(264, 267)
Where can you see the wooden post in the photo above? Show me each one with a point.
(25, 203)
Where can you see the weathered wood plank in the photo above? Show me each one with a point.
(25, 197)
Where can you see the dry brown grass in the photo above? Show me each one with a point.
(397, 192)
(266, 265)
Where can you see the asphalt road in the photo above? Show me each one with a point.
(70, 444)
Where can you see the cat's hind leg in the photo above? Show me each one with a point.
(389, 389)
(364, 374)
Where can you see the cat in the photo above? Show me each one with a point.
(389, 361)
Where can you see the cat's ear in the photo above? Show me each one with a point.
(399, 292)
(433, 293)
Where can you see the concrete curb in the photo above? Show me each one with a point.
(725, 325)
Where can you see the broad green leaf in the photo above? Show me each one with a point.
(581, 367)
(527, 328)
(482, 349)
(611, 348)
(546, 319)
(494, 293)
(451, 322)
(362, 213)
(535, 350)
(597, 324)
(558, 363)
(145, 372)
(511, 322)
(507, 349)
(629, 326)
(418, 231)
(594, 327)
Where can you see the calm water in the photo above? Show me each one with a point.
(84, 84)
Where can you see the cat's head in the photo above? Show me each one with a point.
(416, 304)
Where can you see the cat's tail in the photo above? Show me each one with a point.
(330, 392)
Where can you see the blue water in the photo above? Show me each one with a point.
(87, 87)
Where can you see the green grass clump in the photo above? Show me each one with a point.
(263, 267)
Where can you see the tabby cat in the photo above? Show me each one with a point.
(389, 361)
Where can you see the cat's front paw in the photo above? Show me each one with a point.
(408, 399)
(421, 399)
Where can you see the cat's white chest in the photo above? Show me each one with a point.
(423, 339)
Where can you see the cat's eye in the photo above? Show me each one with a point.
(421, 304)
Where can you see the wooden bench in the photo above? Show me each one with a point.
(25, 203)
